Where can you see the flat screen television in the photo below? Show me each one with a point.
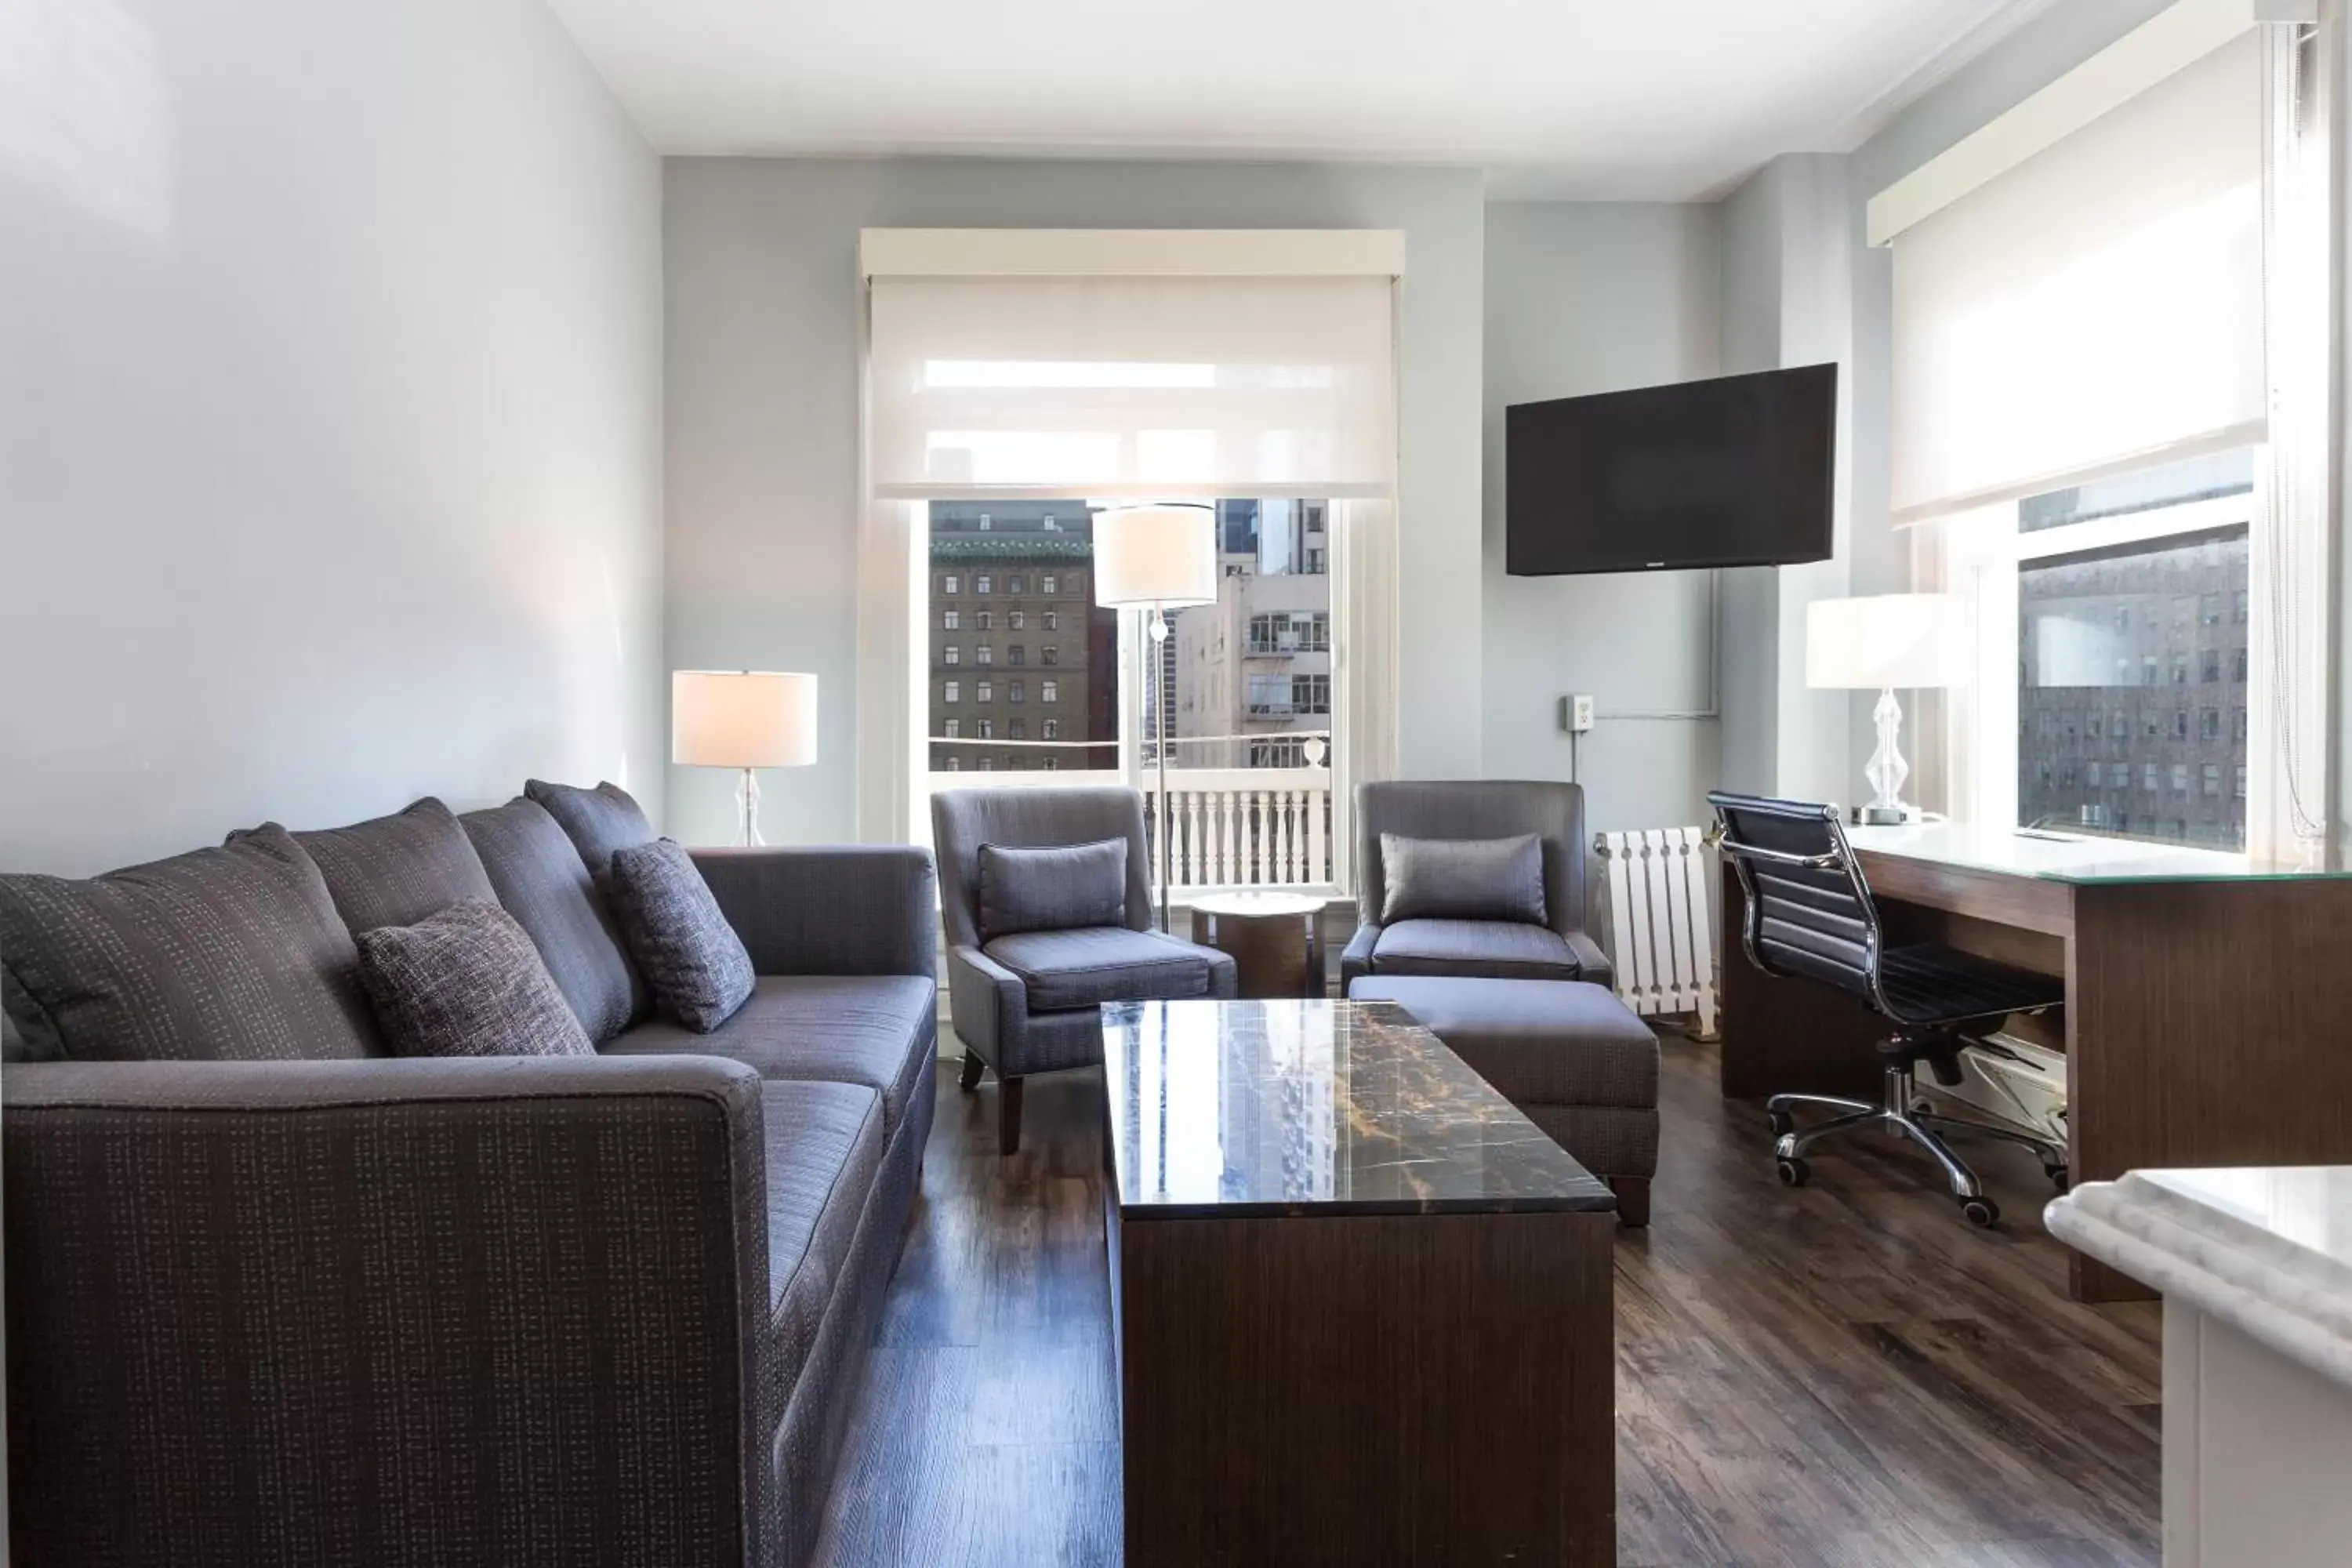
(1735, 471)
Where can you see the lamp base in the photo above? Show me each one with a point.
(747, 804)
(1884, 815)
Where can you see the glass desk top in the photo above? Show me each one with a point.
(1274, 1107)
(2055, 856)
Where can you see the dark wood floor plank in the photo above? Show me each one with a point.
(1844, 1374)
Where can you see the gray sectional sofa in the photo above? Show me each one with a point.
(369, 1309)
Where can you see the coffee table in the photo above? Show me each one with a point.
(1362, 1304)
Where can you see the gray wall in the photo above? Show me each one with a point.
(762, 482)
(330, 420)
(1584, 297)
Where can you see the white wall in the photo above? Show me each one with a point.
(1586, 297)
(329, 419)
(762, 337)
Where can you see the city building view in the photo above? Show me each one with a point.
(1024, 666)
(2132, 689)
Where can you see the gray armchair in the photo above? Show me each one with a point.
(1557, 949)
(1032, 1002)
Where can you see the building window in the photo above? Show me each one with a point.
(2091, 775)
(2211, 776)
(955, 763)
(986, 523)
(1016, 619)
(1016, 691)
(2208, 666)
(1017, 729)
(1049, 654)
(951, 654)
(948, 584)
(1051, 764)
(986, 729)
(988, 764)
(1049, 691)
(985, 653)
(983, 692)
(2209, 724)
(1310, 693)
(985, 620)
(1050, 584)
(951, 728)
(2238, 665)
(2180, 778)
(951, 691)
(2148, 778)
(980, 585)
(1015, 584)
(1017, 654)
(1053, 729)
(1053, 620)
(949, 620)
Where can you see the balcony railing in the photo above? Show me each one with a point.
(1229, 827)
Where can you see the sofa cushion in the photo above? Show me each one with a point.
(1501, 949)
(465, 981)
(1538, 1042)
(697, 965)
(1070, 969)
(234, 954)
(395, 870)
(825, 1145)
(542, 882)
(1462, 878)
(879, 1030)
(1061, 887)
(598, 821)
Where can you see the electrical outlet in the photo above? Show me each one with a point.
(1576, 713)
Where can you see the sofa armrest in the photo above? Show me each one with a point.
(306, 1310)
(981, 996)
(1356, 959)
(847, 910)
(1592, 964)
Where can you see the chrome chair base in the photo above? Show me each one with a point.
(1927, 1128)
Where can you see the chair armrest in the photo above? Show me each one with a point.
(1592, 964)
(847, 910)
(1356, 958)
(983, 995)
(252, 1287)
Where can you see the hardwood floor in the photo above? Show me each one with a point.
(1844, 1375)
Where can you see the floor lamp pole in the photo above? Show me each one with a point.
(1160, 748)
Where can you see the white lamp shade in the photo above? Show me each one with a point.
(741, 719)
(1164, 555)
(1908, 640)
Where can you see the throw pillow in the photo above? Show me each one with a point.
(598, 821)
(467, 982)
(1462, 878)
(1063, 886)
(692, 957)
(395, 870)
(540, 880)
(227, 954)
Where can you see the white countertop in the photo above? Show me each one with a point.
(2265, 1248)
(2060, 856)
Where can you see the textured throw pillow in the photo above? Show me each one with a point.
(227, 954)
(394, 870)
(1462, 878)
(598, 821)
(467, 982)
(1065, 887)
(541, 882)
(692, 957)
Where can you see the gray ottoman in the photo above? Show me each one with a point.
(1568, 1054)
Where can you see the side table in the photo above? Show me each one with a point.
(1276, 938)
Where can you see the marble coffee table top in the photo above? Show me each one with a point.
(1276, 1108)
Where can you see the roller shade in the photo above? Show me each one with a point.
(2096, 309)
(1131, 388)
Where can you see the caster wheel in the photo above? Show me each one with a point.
(1794, 1172)
(2059, 1178)
(1922, 1108)
(1783, 1123)
(1979, 1213)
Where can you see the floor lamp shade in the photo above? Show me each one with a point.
(1164, 555)
(742, 718)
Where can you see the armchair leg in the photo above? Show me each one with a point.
(969, 1078)
(1008, 1115)
(1632, 1200)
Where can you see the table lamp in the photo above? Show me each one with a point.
(1910, 640)
(1159, 558)
(743, 719)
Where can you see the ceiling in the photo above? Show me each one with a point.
(1655, 99)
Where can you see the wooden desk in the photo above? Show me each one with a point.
(2208, 1004)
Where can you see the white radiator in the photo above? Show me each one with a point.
(1660, 942)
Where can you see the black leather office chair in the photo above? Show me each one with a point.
(1809, 916)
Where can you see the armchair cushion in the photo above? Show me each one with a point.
(465, 981)
(540, 880)
(598, 821)
(1063, 970)
(1462, 878)
(395, 870)
(218, 954)
(1501, 950)
(879, 1031)
(692, 957)
(1063, 886)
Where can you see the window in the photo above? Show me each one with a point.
(955, 763)
(951, 654)
(2180, 778)
(951, 728)
(2209, 724)
(1051, 764)
(1049, 654)
(1050, 584)
(2211, 776)
(2091, 775)
(1016, 619)
(1017, 728)
(1053, 620)
(986, 522)
(1013, 584)
(948, 584)
(986, 729)
(1270, 697)
(985, 620)
(983, 653)
(984, 692)
(1310, 693)
(2208, 666)
(951, 691)
(1017, 654)
(949, 620)
(980, 585)
(1016, 691)
(1052, 729)
(1049, 691)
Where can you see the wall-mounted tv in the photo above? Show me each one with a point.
(1737, 471)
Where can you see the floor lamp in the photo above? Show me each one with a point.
(1157, 558)
(745, 720)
